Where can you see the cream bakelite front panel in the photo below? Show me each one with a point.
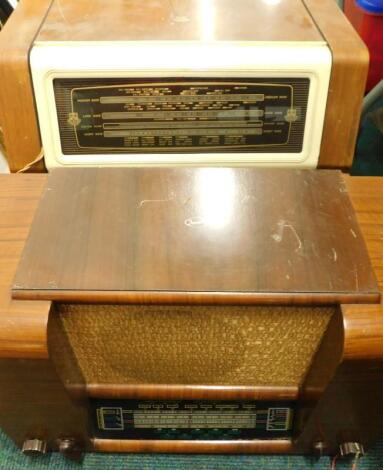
(156, 60)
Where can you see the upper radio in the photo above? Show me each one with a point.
(187, 82)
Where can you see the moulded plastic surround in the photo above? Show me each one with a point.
(50, 60)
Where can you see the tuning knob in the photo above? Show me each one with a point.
(70, 448)
(34, 447)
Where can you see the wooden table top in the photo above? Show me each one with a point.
(178, 20)
(196, 235)
(19, 196)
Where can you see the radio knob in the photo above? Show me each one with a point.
(70, 448)
(34, 447)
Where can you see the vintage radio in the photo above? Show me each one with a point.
(193, 310)
(181, 83)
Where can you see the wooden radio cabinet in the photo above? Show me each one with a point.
(189, 310)
(182, 83)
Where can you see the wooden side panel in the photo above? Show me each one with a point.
(341, 397)
(367, 199)
(23, 325)
(33, 400)
(347, 83)
(18, 118)
(35, 404)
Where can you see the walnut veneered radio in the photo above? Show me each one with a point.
(193, 310)
(189, 82)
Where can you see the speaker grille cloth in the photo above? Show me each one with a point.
(128, 344)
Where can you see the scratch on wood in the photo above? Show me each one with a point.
(148, 201)
(356, 279)
(278, 236)
(194, 221)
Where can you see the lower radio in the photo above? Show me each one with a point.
(202, 310)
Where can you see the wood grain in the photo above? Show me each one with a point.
(195, 298)
(179, 20)
(367, 199)
(347, 83)
(363, 326)
(277, 446)
(177, 233)
(191, 392)
(23, 325)
(32, 396)
(17, 107)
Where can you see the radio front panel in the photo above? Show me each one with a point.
(159, 103)
(191, 419)
(187, 115)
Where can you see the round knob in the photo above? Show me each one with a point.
(70, 448)
(34, 447)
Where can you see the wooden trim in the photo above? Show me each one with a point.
(195, 298)
(347, 83)
(190, 392)
(363, 326)
(23, 325)
(194, 447)
(23, 333)
(18, 118)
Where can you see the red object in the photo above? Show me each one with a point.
(370, 28)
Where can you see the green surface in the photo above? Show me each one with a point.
(368, 159)
(12, 459)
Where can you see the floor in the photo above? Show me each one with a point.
(12, 459)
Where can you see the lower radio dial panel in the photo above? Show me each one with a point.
(203, 420)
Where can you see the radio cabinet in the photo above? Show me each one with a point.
(198, 83)
(144, 319)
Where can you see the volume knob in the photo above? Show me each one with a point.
(34, 447)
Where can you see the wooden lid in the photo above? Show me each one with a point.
(203, 235)
(178, 20)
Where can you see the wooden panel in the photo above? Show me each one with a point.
(168, 232)
(341, 398)
(23, 325)
(17, 109)
(190, 392)
(363, 332)
(196, 298)
(367, 199)
(178, 20)
(347, 83)
(278, 446)
(35, 404)
(32, 397)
